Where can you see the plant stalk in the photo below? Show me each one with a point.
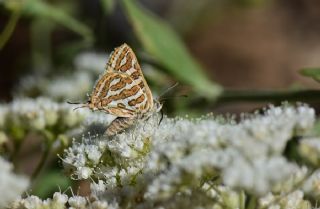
(229, 96)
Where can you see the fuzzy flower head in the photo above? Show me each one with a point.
(11, 185)
(72, 86)
(61, 201)
(247, 154)
(312, 185)
(291, 200)
(96, 156)
(91, 61)
(309, 148)
(42, 115)
(168, 161)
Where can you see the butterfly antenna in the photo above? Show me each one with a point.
(166, 98)
(76, 103)
(68, 188)
(73, 102)
(168, 89)
(86, 105)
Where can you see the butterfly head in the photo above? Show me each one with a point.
(91, 103)
(157, 105)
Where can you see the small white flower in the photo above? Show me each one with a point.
(83, 172)
(60, 198)
(291, 200)
(77, 202)
(32, 202)
(100, 205)
(93, 153)
(98, 187)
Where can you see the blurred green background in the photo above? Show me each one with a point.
(209, 47)
(226, 55)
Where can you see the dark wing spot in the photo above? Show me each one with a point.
(127, 80)
(120, 58)
(135, 75)
(127, 65)
(118, 86)
(139, 100)
(141, 84)
(124, 94)
(129, 92)
(104, 82)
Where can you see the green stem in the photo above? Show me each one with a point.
(229, 96)
(9, 28)
(252, 202)
(44, 158)
(242, 200)
(15, 156)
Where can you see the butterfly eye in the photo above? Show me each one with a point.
(158, 105)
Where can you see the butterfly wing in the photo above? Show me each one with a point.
(124, 61)
(113, 91)
(128, 89)
(122, 89)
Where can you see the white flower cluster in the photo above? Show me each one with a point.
(248, 155)
(312, 185)
(69, 87)
(73, 86)
(98, 155)
(42, 115)
(291, 200)
(11, 185)
(91, 61)
(187, 160)
(310, 149)
(61, 201)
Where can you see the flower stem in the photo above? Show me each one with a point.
(44, 158)
(252, 202)
(9, 28)
(229, 96)
(242, 200)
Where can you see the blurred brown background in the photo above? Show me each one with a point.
(244, 44)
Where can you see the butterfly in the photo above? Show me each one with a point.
(122, 91)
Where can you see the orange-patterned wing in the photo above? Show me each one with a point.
(122, 90)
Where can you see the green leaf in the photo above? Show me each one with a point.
(108, 5)
(316, 128)
(164, 44)
(311, 72)
(41, 9)
(50, 182)
(9, 28)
